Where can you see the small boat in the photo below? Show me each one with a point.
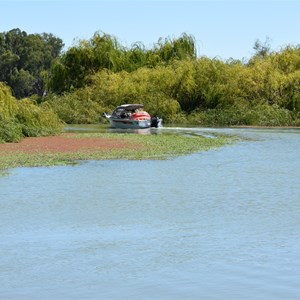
(132, 116)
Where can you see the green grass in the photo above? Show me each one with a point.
(153, 147)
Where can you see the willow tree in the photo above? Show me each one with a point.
(8, 105)
(287, 62)
(19, 118)
(180, 48)
(103, 51)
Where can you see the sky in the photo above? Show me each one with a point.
(222, 29)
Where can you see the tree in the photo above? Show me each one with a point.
(22, 82)
(262, 49)
(24, 58)
(103, 51)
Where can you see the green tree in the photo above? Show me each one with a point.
(24, 58)
(262, 49)
(103, 51)
(22, 82)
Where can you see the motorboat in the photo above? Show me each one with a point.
(132, 116)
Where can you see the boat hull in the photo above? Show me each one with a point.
(129, 124)
(131, 116)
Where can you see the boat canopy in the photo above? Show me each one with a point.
(130, 106)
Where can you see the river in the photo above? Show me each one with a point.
(221, 224)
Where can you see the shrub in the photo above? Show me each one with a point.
(25, 118)
(8, 104)
(10, 131)
(260, 115)
(37, 120)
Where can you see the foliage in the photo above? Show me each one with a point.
(262, 49)
(8, 105)
(103, 51)
(96, 75)
(37, 120)
(203, 91)
(20, 118)
(10, 131)
(24, 58)
(261, 115)
(76, 107)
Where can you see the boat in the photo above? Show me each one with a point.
(132, 116)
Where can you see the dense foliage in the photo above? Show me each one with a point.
(94, 76)
(264, 91)
(20, 118)
(74, 68)
(25, 60)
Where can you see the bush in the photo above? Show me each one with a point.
(25, 118)
(37, 120)
(76, 107)
(8, 104)
(10, 131)
(267, 115)
(261, 115)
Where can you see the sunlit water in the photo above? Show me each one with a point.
(221, 224)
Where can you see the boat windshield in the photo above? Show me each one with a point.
(125, 111)
(118, 112)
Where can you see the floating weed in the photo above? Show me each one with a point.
(141, 147)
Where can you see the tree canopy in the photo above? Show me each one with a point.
(25, 60)
(97, 74)
(103, 51)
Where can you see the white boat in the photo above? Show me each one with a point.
(132, 116)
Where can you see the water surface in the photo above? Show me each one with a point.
(221, 224)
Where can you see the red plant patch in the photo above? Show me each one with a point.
(66, 143)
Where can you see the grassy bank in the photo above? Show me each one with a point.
(141, 147)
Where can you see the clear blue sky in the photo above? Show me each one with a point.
(221, 28)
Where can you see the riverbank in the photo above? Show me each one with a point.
(70, 148)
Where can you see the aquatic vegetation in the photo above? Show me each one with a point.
(160, 146)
